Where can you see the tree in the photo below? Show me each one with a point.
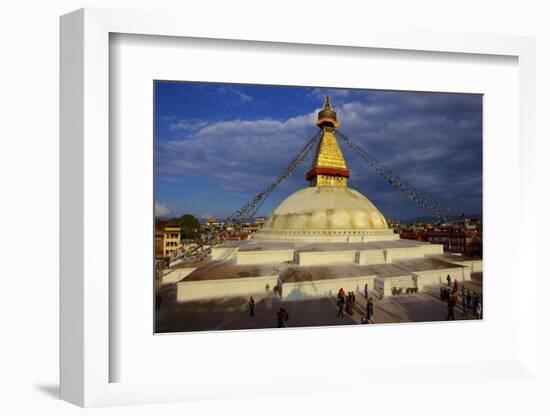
(186, 221)
(189, 225)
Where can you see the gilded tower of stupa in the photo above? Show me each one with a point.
(327, 210)
(328, 167)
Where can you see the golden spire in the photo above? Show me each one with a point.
(328, 167)
(327, 116)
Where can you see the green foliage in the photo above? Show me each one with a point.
(190, 226)
(186, 221)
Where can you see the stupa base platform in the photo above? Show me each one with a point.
(327, 236)
(298, 271)
(311, 254)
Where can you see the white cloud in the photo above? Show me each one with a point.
(239, 97)
(161, 210)
(243, 97)
(187, 125)
(238, 154)
(321, 93)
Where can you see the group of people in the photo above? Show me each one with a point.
(347, 301)
(471, 301)
(447, 295)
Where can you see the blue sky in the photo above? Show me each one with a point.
(218, 145)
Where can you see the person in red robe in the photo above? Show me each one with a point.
(342, 294)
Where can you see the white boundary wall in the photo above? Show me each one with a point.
(322, 288)
(476, 266)
(366, 257)
(265, 256)
(404, 253)
(384, 284)
(326, 257)
(223, 253)
(212, 289)
(177, 275)
(431, 277)
(433, 249)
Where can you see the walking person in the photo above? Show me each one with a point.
(282, 318)
(468, 299)
(370, 310)
(280, 323)
(342, 294)
(450, 310)
(366, 290)
(478, 310)
(349, 304)
(251, 305)
(445, 295)
(455, 286)
(449, 280)
(340, 308)
(285, 317)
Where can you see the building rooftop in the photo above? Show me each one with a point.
(309, 273)
(425, 263)
(223, 270)
(219, 270)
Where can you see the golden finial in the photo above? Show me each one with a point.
(327, 103)
(327, 116)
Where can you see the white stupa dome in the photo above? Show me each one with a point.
(326, 208)
(326, 213)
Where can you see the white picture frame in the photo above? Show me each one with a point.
(85, 210)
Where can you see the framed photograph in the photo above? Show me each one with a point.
(240, 213)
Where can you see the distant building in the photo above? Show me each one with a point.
(462, 241)
(171, 240)
(214, 223)
(159, 243)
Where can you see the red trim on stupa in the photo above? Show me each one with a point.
(327, 171)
